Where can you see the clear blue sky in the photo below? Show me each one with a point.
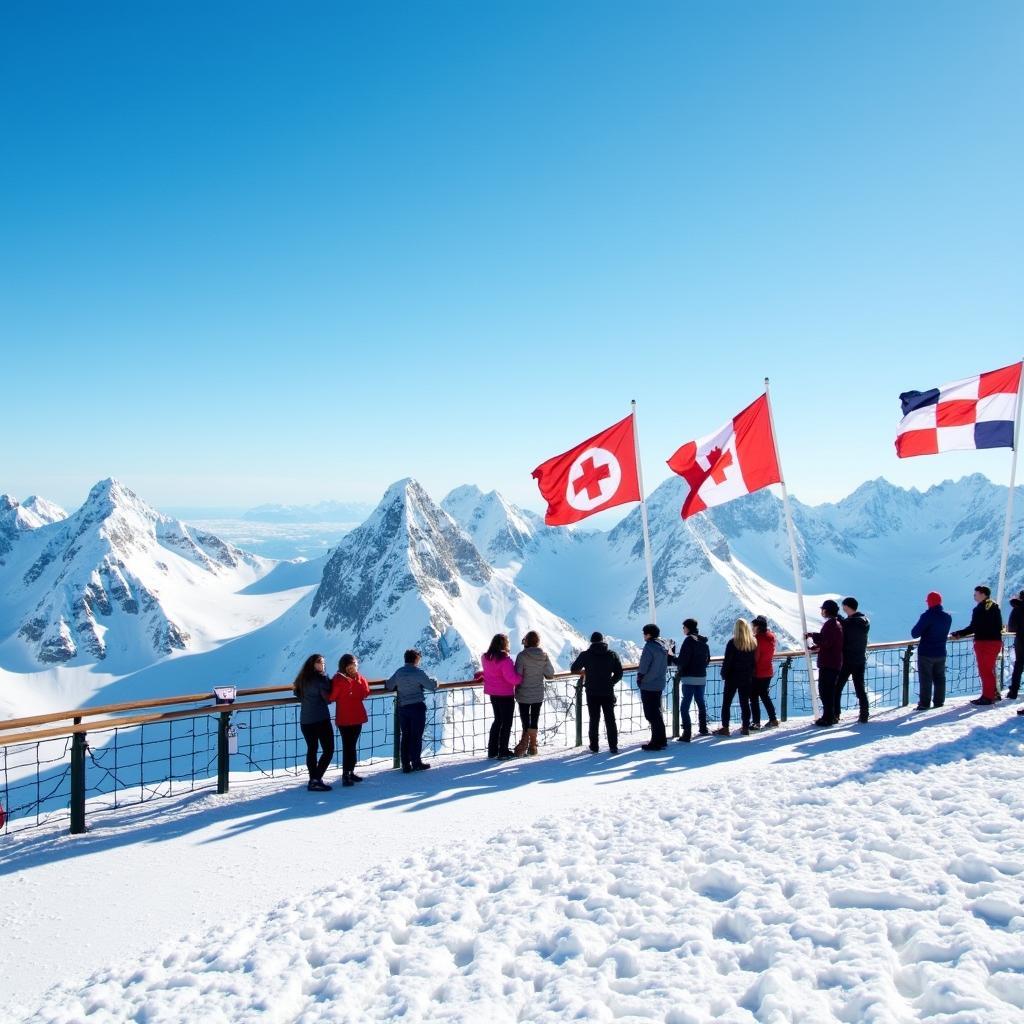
(287, 252)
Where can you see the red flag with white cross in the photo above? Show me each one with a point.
(600, 473)
(736, 459)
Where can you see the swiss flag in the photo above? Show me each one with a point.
(600, 473)
(735, 460)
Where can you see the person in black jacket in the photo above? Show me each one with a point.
(313, 689)
(855, 656)
(601, 670)
(692, 672)
(738, 675)
(987, 629)
(1016, 627)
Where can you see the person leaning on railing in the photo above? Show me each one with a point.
(986, 626)
(1016, 627)
(500, 681)
(313, 689)
(764, 667)
(411, 683)
(348, 691)
(601, 669)
(651, 677)
(828, 643)
(855, 658)
(533, 664)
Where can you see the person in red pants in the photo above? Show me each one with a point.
(987, 629)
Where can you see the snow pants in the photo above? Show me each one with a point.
(987, 652)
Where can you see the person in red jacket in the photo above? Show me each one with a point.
(348, 691)
(828, 642)
(763, 669)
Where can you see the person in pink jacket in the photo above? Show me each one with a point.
(500, 681)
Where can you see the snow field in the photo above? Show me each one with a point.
(845, 881)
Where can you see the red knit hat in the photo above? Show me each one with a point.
(933, 599)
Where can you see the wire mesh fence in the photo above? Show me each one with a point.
(124, 766)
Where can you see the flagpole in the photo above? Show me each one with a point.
(1009, 497)
(792, 554)
(643, 520)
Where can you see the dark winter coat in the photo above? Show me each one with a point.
(1016, 623)
(314, 693)
(738, 666)
(855, 639)
(932, 629)
(692, 660)
(602, 670)
(829, 644)
(652, 672)
(986, 622)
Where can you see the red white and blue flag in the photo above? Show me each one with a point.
(977, 412)
(737, 459)
(600, 473)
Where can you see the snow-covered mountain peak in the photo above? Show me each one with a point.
(501, 530)
(45, 511)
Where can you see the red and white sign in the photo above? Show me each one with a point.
(600, 473)
(736, 459)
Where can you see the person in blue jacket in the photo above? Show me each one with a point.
(932, 630)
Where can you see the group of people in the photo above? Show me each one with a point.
(840, 645)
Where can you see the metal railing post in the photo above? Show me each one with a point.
(396, 753)
(579, 712)
(784, 690)
(906, 674)
(77, 781)
(223, 760)
(675, 706)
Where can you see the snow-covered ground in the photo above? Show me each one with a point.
(869, 874)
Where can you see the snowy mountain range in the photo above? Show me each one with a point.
(118, 599)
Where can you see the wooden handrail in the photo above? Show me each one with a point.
(19, 729)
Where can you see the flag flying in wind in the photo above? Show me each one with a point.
(600, 473)
(736, 459)
(978, 412)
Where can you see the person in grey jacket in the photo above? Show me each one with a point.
(411, 684)
(313, 689)
(534, 666)
(651, 677)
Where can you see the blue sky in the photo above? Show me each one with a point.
(264, 252)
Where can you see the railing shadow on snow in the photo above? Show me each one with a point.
(268, 802)
(123, 761)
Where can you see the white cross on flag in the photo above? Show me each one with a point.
(736, 459)
(600, 473)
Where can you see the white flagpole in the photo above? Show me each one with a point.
(643, 520)
(793, 556)
(1009, 497)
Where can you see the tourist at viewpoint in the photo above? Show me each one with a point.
(932, 630)
(764, 666)
(601, 670)
(313, 689)
(348, 691)
(855, 656)
(500, 681)
(651, 677)
(828, 642)
(534, 666)
(738, 675)
(692, 674)
(411, 684)
(986, 627)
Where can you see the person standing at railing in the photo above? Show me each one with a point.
(932, 631)
(500, 681)
(828, 642)
(411, 684)
(855, 657)
(692, 674)
(738, 675)
(348, 691)
(764, 666)
(534, 666)
(986, 627)
(601, 669)
(1016, 627)
(313, 689)
(651, 678)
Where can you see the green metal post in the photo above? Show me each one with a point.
(675, 706)
(223, 760)
(397, 751)
(906, 674)
(579, 712)
(77, 781)
(784, 690)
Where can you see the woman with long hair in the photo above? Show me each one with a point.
(500, 681)
(738, 674)
(313, 689)
(763, 668)
(534, 666)
(348, 691)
